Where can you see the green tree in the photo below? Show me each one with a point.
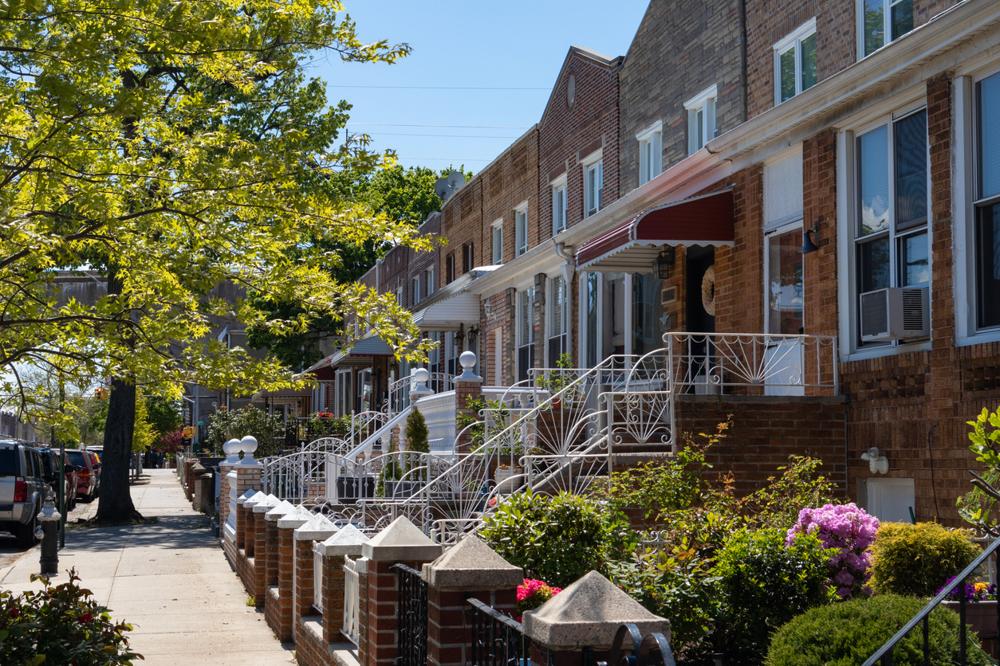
(416, 432)
(176, 149)
(164, 414)
(144, 434)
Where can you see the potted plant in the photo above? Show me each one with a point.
(980, 610)
(508, 466)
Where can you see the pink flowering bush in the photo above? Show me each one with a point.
(532, 593)
(848, 529)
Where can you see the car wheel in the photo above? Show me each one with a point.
(25, 534)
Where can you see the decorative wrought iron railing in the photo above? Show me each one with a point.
(884, 655)
(352, 600)
(499, 640)
(735, 362)
(297, 477)
(411, 607)
(318, 577)
(364, 425)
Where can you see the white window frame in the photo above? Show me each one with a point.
(593, 162)
(650, 152)
(559, 186)
(496, 238)
(965, 196)
(415, 288)
(793, 42)
(707, 103)
(550, 319)
(526, 294)
(430, 276)
(847, 239)
(521, 229)
(887, 36)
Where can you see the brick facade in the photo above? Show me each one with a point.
(680, 48)
(507, 182)
(573, 127)
(461, 224)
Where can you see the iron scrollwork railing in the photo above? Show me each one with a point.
(650, 650)
(412, 617)
(497, 639)
(884, 655)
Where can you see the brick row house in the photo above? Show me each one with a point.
(814, 185)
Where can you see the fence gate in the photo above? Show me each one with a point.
(411, 647)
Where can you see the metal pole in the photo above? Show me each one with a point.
(61, 489)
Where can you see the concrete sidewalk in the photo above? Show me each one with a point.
(169, 579)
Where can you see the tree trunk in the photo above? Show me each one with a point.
(115, 501)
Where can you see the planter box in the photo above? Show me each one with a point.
(982, 617)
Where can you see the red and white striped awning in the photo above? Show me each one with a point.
(634, 245)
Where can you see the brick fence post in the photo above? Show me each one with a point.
(468, 386)
(588, 613)
(347, 542)
(278, 608)
(232, 451)
(316, 529)
(401, 542)
(270, 562)
(468, 569)
(261, 546)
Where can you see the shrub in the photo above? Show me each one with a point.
(777, 502)
(269, 429)
(557, 539)
(846, 634)
(532, 593)
(849, 531)
(918, 559)
(60, 624)
(979, 506)
(416, 432)
(677, 584)
(763, 584)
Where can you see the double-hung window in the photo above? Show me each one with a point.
(525, 332)
(520, 230)
(881, 22)
(795, 62)
(415, 290)
(701, 118)
(650, 152)
(890, 222)
(559, 205)
(431, 281)
(556, 303)
(449, 268)
(497, 235)
(468, 258)
(986, 221)
(593, 183)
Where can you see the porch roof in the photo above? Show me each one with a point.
(448, 314)
(634, 245)
(360, 353)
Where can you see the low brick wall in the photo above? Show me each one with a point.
(766, 431)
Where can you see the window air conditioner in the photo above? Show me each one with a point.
(899, 313)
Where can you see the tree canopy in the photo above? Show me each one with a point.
(178, 150)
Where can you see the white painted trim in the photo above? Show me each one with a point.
(496, 226)
(646, 133)
(521, 248)
(792, 41)
(698, 101)
(593, 157)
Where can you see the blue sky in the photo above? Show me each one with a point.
(479, 75)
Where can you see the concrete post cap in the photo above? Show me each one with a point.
(248, 445)
(254, 499)
(401, 541)
(347, 541)
(296, 518)
(468, 363)
(318, 527)
(247, 494)
(472, 565)
(266, 504)
(280, 509)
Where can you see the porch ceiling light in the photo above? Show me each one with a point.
(665, 262)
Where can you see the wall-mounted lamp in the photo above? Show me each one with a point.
(877, 463)
(808, 244)
(665, 262)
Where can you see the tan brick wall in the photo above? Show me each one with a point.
(461, 223)
(501, 317)
(508, 181)
(449, 634)
(739, 270)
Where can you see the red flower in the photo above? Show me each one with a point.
(86, 618)
(14, 611)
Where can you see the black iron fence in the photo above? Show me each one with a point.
(884, 655)
(498, 640)
(412, 617)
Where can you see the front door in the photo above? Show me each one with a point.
(699, 317)
(784, 315)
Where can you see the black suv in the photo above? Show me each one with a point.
(22, 489)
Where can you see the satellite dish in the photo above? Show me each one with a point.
(448, 185)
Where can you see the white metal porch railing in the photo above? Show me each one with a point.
(399, 390)
(318, 576)
(352, 600)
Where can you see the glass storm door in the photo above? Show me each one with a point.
(784, 314)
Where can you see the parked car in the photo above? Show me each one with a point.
(88, 473)
(22, 489)
(71, 477)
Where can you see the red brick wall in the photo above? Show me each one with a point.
(567, 133)
(768, 21)
(739, 304)
(508, 181)
(462, 222)
(501, 317)
(765, 432)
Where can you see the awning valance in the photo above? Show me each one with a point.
(448, 314)
(359, 354)
(634, 245)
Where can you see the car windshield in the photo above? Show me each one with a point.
(8, 461)
(76, 458)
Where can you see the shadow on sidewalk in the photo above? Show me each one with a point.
(169, 532)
